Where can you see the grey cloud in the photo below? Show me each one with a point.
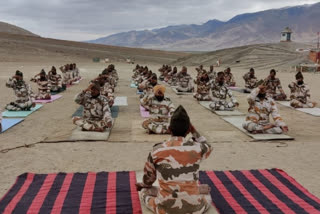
(88, 19)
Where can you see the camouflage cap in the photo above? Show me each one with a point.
(180, 115)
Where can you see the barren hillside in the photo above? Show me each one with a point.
(30, 48)
(259, 56)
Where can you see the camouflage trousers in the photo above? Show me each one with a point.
(297, 104)
(258, 129)
(20, 106)
(43, 96)
(221, 105)
(184, 89)
(202, 97)
(91, 125)
(56, 88)
(279, 96)
(149, 198)
(156, 127)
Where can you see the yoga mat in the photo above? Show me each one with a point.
(221, 113)
(139, 92)
(121, 101)
(144, 113)
(237, 121)
(258, 191)
(181, 93)
(132, 85)
(238, 89)
(102, 192)
(79, 135)
(20, 114)
(114, 112)
(312, 111)
(53, 98)
(9, 123)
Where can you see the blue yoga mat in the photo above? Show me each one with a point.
(133, 85)
(9, 123)
(21, 114)
(114, 112)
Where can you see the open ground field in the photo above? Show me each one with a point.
(128, 145)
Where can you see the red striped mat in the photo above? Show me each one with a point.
(103, 192)
(259, 191)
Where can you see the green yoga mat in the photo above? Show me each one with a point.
(20, 114)
(114, 112)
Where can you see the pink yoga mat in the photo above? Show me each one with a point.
(53, 98)
(144, 112)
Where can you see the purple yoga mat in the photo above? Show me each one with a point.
(144, 112)
(53, 98)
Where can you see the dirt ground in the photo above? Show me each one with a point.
(128, 145)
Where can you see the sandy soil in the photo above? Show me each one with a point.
(129, 145)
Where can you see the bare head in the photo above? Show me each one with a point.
(273, 74)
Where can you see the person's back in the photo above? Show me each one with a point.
(175, 163)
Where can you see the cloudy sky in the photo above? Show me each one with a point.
(89, 19)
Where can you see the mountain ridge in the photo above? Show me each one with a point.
(243, 29)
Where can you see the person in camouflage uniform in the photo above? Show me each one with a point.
(229, 78)
(250, 79)
(96, 114)
(111, 68)
(220, 93)
(173, 78)
(23, 93)
(66, 74)
(203, 88)
(75, 73)
(160, 108)
(55, 80)
(44, 86)
(106, 89)
(184, 81)
(212, 74)
(260, 108)
(175, 163)
(300, 93)
(273, 84)
(170, 75)
(147, 90)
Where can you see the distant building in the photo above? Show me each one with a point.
(286, 35)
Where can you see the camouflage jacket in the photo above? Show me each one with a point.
(163, 109)
(176, 163)
(184, 81)
(95, 109)
(54, 79)
(250, 82)
(299, 92)
(21, 89)
(229, 79)
(222, 93)
(203, 87)
(43, 86)
(272, 85)
(260, 111)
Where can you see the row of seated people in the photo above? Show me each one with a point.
(299, 90)
(47, 84)
(182, 81)
(154, 100)
(97, 101)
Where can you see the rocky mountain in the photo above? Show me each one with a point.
(12, 29)
(245, 29)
